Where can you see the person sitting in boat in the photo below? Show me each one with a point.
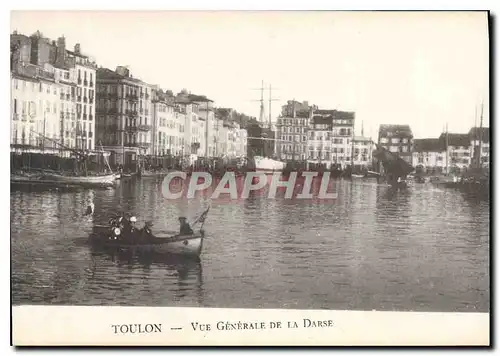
(185, 228)
(133, 220)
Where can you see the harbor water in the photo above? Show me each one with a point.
(373, 248)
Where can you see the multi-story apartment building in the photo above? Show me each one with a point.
(319, 140)
(124, 115)
(362, 155)
(480, 146)
(429, 155)
(291, 130)
(41, 59)
(168, 125)
(397, 139)
(457, 151)
(342, 134)
(84, 71)
(35, 109)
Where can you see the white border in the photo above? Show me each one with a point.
(185, 4)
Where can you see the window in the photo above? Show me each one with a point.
(384, 140)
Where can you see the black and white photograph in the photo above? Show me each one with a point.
(292, 160)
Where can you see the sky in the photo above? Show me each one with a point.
(424, 69)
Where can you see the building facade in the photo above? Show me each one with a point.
(362, 155)
(319, 140)
(292, 128)
(342, 135)
(429, 155)
(38, 61)
(480, 146)
(124, 115)
(397, 139)
(457, 152)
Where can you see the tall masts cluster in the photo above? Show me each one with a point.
(262, 114)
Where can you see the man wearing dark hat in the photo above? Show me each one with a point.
(185, 228)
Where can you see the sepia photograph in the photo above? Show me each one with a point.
(264, 160)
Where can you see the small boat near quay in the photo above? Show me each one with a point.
(81, 179)
(185, 245)
(122, 236)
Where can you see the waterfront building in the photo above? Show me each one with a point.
(397, 139)
(457, 152)
(230, 136)
(168, 125)
(55, 70)
(362, 156)
(319, 140)
(480, 146)
(342, 135)
(124, 115)
(291, 130)
(84, 70)
(429, 155)
(35, 109)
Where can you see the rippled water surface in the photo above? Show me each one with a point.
(423, 249)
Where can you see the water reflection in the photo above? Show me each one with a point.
(371, 248)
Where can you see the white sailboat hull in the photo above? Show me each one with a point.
(264, 164)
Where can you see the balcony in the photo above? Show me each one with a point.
(147, 96)
(79, 98)
(112, 95)
(131, 128)
(62, 96)
(61, 115)
(131, 113)
(15, 116)
(132, 97)
(68, 115)
(112, 111)
(91, 83)
(91, 100)
(141, 111)
(68, 97)
(85, 116)
(85, 82)
(144, 127)
(79, 80)
(139, 144)
(73, 116)
(91, 117)
(142, 95)
(85, 99)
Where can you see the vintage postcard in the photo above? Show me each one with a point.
(250, 178)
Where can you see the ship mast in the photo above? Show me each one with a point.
(480, 163)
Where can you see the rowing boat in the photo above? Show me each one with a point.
(187, 245)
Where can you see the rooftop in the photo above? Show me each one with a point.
(428, 145)
(106, 73)
(361, 138)
(395, 130)
(477, 133)
(455, 139)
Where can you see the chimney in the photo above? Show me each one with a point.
(77, 48)
(61, 52)
(123, 71)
